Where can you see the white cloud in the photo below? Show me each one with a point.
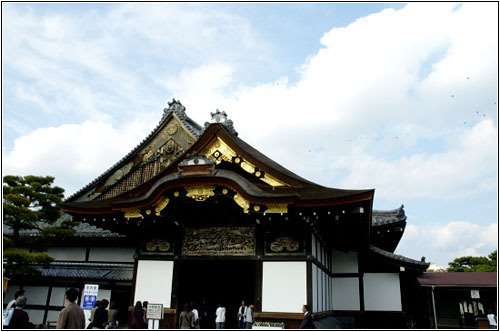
(74, 153)
(441, 243)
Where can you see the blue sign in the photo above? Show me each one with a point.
(89, 301)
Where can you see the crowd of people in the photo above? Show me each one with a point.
(72, 316)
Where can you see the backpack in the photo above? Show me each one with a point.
(7, 316)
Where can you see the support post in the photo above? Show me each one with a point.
(434, 309)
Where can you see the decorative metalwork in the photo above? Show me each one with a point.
(284, 242)
(219, 241)
(161, 204)
(277, 208)
(243, 203)
(132, 213)
(219, 151)
(200, 193)
(157, 245)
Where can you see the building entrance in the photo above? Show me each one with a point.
(210, 282)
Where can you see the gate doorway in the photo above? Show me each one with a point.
(210, 282)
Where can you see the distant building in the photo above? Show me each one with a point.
(195, 214)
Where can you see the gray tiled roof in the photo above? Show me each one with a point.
(117, 272)
(380, 218)
(399, 258)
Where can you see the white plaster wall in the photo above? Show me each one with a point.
(345, 293)
(314, 277)
(382, 291)
(52, 316)
(284, 286)
(57, 296)
(111, 254)
(154, 282)
(36, 316)
(67, 254)
(344, 262)
(36, 295)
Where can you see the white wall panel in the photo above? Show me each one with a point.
(53, 315)
(57, 296)
(345, 294)
(111, 254)
(67, 254)
(36, 316)
(344, 262)
(382, 291)
(154, 282)
(36, 295)
(284, 286)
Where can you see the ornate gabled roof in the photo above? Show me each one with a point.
(234, 163)
(171, 137)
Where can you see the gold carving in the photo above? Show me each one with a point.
(284, 242)
(200, 193)
(132, 213)
(160, 245)
(160, 205)
(256, 208)
(243, 203)
(277, 208)
(172, 128)
(219, 151)
(176, 194)
(219, 241)
(224, 191)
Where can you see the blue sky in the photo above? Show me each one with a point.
(397, 97)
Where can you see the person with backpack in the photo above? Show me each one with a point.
(9, 310)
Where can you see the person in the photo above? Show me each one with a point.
(20, 318)
(492, 319)
(203, 313)
(186, 318)
(220, 317)
(71, 316)
(242, 310)
(101, 315)
(145, 313)
(137, 321)
(7, 314)
(92, 313)
(307, 322)
(196, 316)
(112, 316)
(249, 317)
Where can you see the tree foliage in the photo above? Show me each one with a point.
(30, 203)
(474, 264)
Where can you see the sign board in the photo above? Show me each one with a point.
(474, 293)
(89, 296)
(154, 311)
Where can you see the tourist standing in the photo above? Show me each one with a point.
(101, 315)
(9, 310)
(249, 320)
(307, 322)
(220, 317)
(112, 316)
(186, 318)
(20, 318)
(242, 310)
(72, 316)
(196, 316)
(492, 319)
(137, 321)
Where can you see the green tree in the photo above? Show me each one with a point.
(474, 264)
(30, 203)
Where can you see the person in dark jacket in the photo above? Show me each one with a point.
(101, 315)
(307, 322)
(20, 318)
(137, 321)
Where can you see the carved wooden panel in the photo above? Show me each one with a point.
(219, 241)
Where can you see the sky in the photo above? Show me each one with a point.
(397, 97)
